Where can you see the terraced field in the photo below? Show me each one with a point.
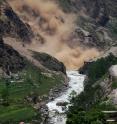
(14, 114)
(14, 90)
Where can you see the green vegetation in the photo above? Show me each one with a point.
(82, 117)
(77, 115)
(114, 85)
(32, 82)
(14, 114)
(31, 79)
(99, 68)
(93, 92)
(92, 96)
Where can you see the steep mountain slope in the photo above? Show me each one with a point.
(57, 30)
(24, 84)
(99, 21)
(99, 93)
(10, 24)
(16, 33)
(97, 17)
(97, 9)
(25, 80)
(73, 31)
(72, 37)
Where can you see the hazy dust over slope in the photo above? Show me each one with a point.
(47, 19)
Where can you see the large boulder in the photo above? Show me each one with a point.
(113, 72)
(62, 103)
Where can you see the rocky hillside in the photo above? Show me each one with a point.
(99, 93)
(73, 31)
(100, 10)
(90, 30)
(27, 85)
(96, 26)
(10, 24)
(27, 79)
(10, 60)
(60, 35)
(97, 18)
(50, 62)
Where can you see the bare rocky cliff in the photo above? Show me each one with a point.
(97, 18)
(15, 31)
(11, 24)
(10, 59)
(100, 10)
(30, 80)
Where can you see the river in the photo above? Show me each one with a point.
(57, 113)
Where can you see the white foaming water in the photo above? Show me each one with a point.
(56, 113)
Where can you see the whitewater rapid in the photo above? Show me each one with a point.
(56, 113)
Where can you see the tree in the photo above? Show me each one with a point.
(79, 116)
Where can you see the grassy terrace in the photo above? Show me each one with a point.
(13, 106)
(13, 114)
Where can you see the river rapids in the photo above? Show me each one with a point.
(57, 113)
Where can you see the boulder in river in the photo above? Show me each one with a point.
(62, 103)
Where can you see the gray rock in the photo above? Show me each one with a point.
(61, 103)
(113, 71)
